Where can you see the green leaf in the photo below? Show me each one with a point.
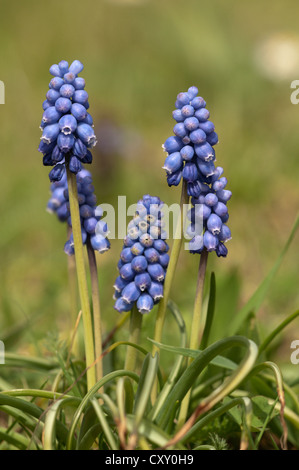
(210, 312)
(146, 381)
(218, 361)
(256, 300)
(262, 411)
(205, 357)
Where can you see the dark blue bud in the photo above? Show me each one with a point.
(172, 144)
(137, 249)
(63, 105)
(206, 168)
(143, 281)
(130, 293)
(182, 99)
(225, 233)
(57, 172)
(119, 284)
(196, 244)
(202, 114)
(208, 127)
(79, 111)
(187, 152)
(164, 260)
(191, 124)
(152, 255)
(224, 195)
(76, 67)
(179, 130)
(50, 133)
(211, 199)
(187, 111)
(88, 158)
(75, 165)
(156, 272)
(212, 138)
(80, 96)
(214, 224)
(51, 115)
(65, 142)
(69, 77)
(69, 249)
(86, 134)
(198, 102)
(173, 163)
(192, 92)
(175, 178)
(52, 95)
(190, 172)
(79, 83)
(177, 115)
(126, 255)
(63, 212)
(63, 66)
(47, 160)
(67, 90)
(198, 136)
(88, 120)
(57, 156)
(221, 250)
(220, 209)
(128, 241)
(156, 291)
(122, 306)
(205, 152)
(46, 105)
(86, 211)
(56, 83)
(193, 188)
(210, 241)
(127, 272)
(80, 149)
(100, 243)
(139, 264)
(55, 70)
(219, 184)
(161, 246)
(145, 303)
(67, 124)
(90, 225)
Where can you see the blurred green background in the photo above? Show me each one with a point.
(138, 56)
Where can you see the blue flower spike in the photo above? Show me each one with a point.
(191, 156)
(143, 259)
(92, 227)
(66, 125)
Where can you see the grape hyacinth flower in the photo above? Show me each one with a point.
(92, 227)
(191, 157)
(143, 259)
(66, 124)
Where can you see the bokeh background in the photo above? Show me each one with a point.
(138, 56)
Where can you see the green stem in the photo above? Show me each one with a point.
(97, 323)
(82, 280)
(71, 264)
(195, 327)
(175, 251)
(135, 328)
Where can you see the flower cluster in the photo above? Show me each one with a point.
(66, 124)
(191, 156)
(210, 209)
(92, 227)
(143, 260)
